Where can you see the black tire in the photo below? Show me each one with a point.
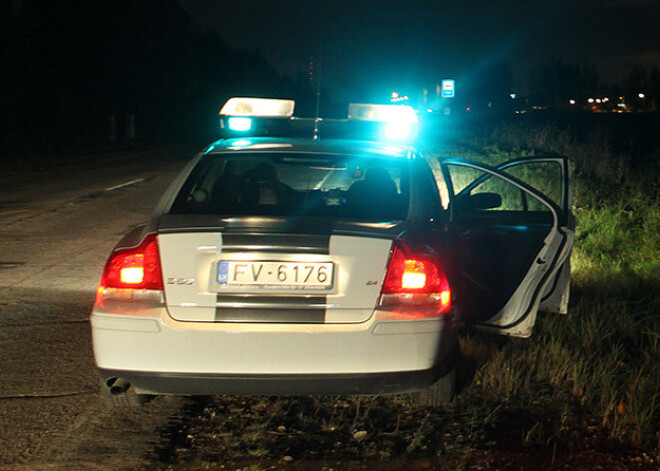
(439, 393)
(129, 399)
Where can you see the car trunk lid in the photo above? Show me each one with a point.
(270, 270)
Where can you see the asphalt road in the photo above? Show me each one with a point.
(57, 227)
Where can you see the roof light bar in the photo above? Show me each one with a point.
(386, 113)
(245, 116)
(258, 107)
(240, 123)
(400, 120)
(398, 131)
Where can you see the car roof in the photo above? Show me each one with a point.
(301, 145)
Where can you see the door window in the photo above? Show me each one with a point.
(545, 176)
(491, 198)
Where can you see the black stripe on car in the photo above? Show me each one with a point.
(283, 243)
(271, 309)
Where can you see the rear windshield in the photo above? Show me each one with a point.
(306, 185)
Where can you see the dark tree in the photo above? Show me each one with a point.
(82, 73)
(553, 83)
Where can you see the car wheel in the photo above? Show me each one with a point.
(439, 393)
(113, 397)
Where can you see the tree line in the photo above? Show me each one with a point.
(77, 73)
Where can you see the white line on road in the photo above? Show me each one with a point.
(122, 185)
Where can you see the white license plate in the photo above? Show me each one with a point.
(285, 274)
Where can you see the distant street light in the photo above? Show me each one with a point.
(642, 96)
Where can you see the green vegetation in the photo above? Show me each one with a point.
(602, 360)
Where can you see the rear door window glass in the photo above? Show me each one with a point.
(293, 184)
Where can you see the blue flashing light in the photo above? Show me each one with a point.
(398, 130)
(240, 124)
(399, 122)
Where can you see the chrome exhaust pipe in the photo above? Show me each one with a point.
(119, 386)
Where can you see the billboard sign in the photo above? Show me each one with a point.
(447, 88)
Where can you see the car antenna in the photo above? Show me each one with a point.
(318, 98)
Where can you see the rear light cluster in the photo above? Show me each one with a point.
(415, 286)
(133, 274)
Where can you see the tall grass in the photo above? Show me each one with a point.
(602, 360)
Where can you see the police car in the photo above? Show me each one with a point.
(323, 264)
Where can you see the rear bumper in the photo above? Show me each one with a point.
(375, 383)
(159, 355)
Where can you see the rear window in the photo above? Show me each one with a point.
(296, 185)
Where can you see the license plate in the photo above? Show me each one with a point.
(285, 274)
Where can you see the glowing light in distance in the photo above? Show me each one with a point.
(572, 102)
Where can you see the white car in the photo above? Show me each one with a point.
(312, 265)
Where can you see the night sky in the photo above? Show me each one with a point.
(394, 45)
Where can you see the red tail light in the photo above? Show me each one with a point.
(132, 271)
(415, 285)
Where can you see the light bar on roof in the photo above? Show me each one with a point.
(400, 121)
(398, 130)
(240, 123)
(386, 113)
(258, 107)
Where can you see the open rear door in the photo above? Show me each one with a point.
(514, 234)
(552, 176)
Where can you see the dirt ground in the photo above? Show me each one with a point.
(384, 433)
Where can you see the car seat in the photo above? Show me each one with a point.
(374, 197)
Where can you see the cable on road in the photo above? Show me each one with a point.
(86, 392)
